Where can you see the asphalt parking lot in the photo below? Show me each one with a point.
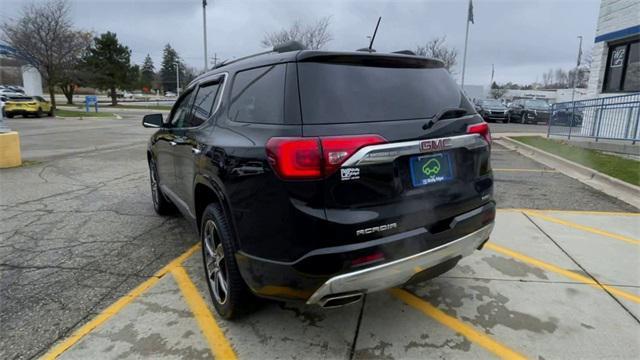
(87, 270)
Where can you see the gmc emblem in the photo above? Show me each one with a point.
(435, 145)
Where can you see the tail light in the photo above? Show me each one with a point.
(482, 129)
(314, 157)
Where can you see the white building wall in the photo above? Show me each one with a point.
(614, 15)
(31, 81)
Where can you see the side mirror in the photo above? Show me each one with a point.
(152, 121)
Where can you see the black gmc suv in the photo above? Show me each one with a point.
(322, 176)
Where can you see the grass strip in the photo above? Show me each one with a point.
(625, 169)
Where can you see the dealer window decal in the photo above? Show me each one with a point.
(617, 56)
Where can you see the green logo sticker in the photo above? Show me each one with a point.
(431, 168)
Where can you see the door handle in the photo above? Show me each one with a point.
(196, 151)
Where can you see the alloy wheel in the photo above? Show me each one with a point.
(214, 262)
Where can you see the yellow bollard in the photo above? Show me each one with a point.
(10, 150)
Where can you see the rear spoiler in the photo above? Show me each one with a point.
(369, 59)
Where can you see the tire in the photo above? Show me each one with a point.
(50, 113)
(161, 205)
(229, 293)
(10, 116)
(38, 113)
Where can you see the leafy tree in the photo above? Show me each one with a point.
(109, 64)
(313, 36)
(147, 73)
(168, 69)
(44, 37)
(437, 49)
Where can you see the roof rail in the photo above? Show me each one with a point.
(279, 48)
(404, 52)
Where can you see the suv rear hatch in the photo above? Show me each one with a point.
(429, 158)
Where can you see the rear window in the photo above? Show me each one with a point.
(339, 93)
(20, 98)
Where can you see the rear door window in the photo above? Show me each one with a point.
(257, 95)
(342, 93)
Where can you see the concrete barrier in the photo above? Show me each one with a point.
(10, 150)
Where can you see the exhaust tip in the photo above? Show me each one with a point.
(339, 300)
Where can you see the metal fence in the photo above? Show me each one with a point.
(612, 118)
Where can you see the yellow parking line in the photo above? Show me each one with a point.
(566, 273)
(582, 227)
(465, 330)
(116, 307)
(525, 170)
(578, 212)
(215, 337)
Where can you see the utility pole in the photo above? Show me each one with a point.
(204, 31)
(215, 59)
(491, 82)
(466, 40)
(575, 74)
(178, 79)
(573, 89)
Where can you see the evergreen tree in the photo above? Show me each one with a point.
(168, 70)
(147, 73)
(109, 64)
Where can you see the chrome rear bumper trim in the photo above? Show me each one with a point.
(399, 271)
(382, 153)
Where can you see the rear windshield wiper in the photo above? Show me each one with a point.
(451, 113)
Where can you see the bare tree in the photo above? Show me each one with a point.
(313, 36)
(498, 92)
(71, 73)
(547, 78)
(44, 37)
(436, 48)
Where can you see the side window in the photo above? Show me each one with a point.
(203, 104)
(181, 111)
(257, 95)
(39, 98)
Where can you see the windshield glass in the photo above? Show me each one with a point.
(536, 103)
(495, 103)
(339, 93)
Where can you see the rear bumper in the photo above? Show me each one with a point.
(399, 271)
(20, 111)
(327, 270)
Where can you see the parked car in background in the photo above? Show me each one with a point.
(27, 105)
(169, 94)
(491, 110)
(309, 181)
(527, 111)
(11, 90)
(565, 115)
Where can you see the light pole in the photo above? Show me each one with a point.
(204, 31)
(177, 79)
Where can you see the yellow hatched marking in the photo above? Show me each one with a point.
(116, 307)
(582, 227)
(558, 270)
(218, 343)
(458, 326)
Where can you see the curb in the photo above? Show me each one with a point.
(609, 185)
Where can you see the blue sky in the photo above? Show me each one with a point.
(522, 38)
